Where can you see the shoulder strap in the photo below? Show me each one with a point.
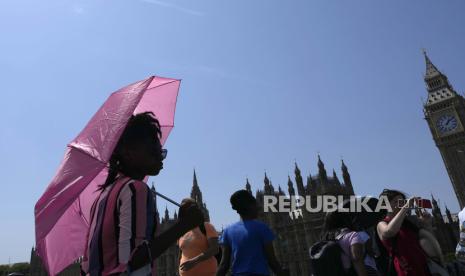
(341, 233)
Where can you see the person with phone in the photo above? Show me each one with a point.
(400, 237)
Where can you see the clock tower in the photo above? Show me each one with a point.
(445, 113)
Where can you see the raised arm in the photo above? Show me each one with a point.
(389, 230)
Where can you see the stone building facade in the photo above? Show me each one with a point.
(297, 231)
(445, 114)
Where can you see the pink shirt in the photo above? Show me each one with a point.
(350, 239)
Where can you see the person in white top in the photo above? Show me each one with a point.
(460, 251)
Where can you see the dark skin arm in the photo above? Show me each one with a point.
(225, 263)
(272, 261)
(167, 239)
(190, 217)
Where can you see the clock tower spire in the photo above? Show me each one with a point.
(445, 113)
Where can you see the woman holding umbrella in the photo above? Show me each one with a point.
(123, 216)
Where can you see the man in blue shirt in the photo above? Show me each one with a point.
(249, 242)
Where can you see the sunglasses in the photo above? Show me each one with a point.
(164, 152)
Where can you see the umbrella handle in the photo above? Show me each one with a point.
(168, 199)
(201, 226)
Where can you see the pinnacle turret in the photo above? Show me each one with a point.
(167, 214)
(290, 186)
(247, 186)
(322, 171)
(346, 178)
(335, 177)
(299, 182)
(196, 194)
(449, 215)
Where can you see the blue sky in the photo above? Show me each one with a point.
(265, 83)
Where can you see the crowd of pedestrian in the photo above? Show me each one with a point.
(122, 236)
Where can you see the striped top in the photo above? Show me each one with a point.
(122, 217)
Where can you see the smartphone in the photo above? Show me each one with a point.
(424, 203)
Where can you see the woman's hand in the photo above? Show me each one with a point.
(189, 264)
(425, 219)
(410, 203)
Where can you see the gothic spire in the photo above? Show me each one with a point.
(343, 166)
(346, 177)
(290, 186)
(195, 179)
(196, 194)
(322, 170)
(436, 211)
(310, 185)
(449, 215)
(335, 177)
(431, 70)
(247, 186)
(271, 187)
(266, 180)
(296, 170)
(267, 186)
(280, 191)
(298, 180)
(167, 214)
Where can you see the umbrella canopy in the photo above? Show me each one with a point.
(62, 213)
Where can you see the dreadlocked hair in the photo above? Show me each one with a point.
(139, 127)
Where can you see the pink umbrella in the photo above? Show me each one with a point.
(62, 213)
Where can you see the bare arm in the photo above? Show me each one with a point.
(225, 261)
(189, 218)
(358, 255)
(389, 230)
(212, 250)
(272, 261)
(167, 238)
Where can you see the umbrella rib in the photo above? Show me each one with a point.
(151, 87)
(86, 153)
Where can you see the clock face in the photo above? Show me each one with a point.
(446, 123)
